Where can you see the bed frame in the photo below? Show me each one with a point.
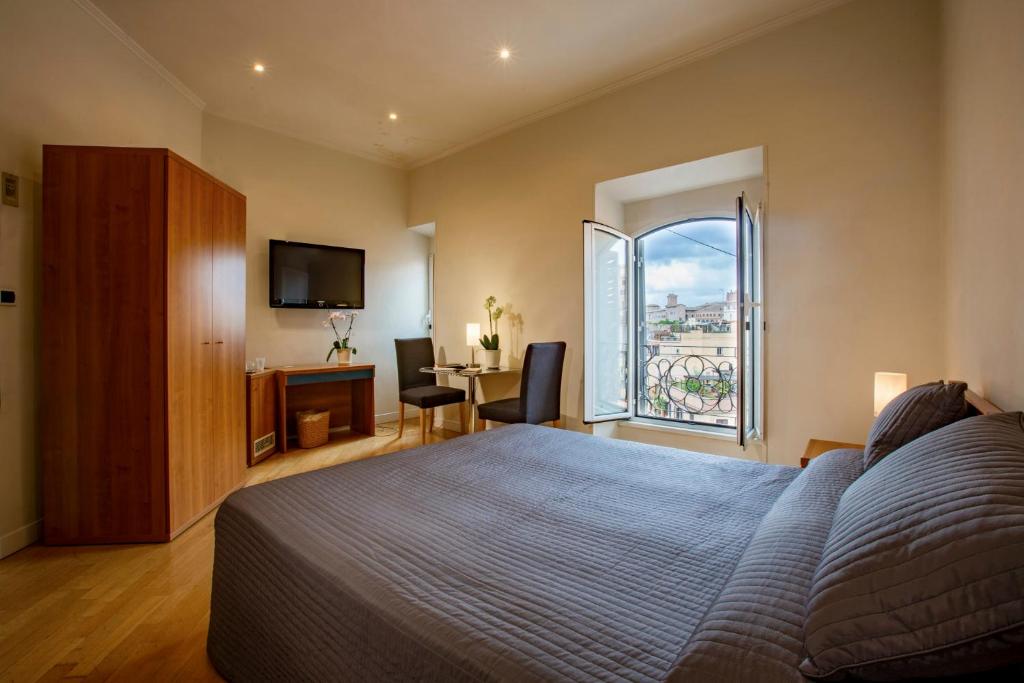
(982, 405)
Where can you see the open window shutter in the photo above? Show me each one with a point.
(749, 321)
(609, 323)
(741, 324)
(755, 425)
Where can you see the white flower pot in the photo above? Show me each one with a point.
(344, 356)
(492, 359)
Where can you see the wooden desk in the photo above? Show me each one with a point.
(816, 447)
(345, 390)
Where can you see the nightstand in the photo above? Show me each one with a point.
(816, 447)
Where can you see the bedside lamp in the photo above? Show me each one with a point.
(888, 385)
(472, 339)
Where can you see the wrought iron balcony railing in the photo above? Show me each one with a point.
(689, 383)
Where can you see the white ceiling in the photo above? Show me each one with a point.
(336, 68)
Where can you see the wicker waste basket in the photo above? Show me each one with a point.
(312, 427)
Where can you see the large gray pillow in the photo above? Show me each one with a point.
(923, 570)
(913, 414)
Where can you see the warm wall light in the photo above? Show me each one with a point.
(888, 385)
(258, 68)
(504, 53)
(472, 334)
(393, 116)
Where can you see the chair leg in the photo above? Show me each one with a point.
(557, 424)
(462, 417)
(481, 425)
(430, 421)
(423, 425)
(401, 419)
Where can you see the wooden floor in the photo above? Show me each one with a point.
(136, 612)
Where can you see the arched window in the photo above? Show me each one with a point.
(673, 324)
(687, 367)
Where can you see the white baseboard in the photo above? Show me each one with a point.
(571, 424)
(19, 538)
(451, 425)
(410, 411)
(379, 418)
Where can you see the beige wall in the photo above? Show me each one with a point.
(847, 107)
(66, 80)
(984, 139)
(303, 192)
(718, 200)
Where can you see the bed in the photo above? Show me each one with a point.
(524, 554)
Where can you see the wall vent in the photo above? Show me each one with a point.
(264, 444)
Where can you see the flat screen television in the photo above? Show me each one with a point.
(316, 276)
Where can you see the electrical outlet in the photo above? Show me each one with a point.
(7, 297)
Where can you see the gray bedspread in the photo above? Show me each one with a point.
(522, 553)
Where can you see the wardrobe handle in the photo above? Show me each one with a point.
(205, 343)
(221, 342)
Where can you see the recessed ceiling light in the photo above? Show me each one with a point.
(504, 53)
(393, 116)
(258, 68)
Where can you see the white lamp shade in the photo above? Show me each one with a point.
(472, 334)
(888, 385)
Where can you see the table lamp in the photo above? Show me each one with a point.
(472, 337)
(888, 385)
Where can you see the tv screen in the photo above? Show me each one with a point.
(315, 276)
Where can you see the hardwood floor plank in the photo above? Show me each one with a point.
(137, 612)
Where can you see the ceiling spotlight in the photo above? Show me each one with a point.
(504, 53)
(393, 116)
(258, 68)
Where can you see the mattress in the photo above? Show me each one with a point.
(522, 553)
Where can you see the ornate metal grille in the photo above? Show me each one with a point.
(688, 383)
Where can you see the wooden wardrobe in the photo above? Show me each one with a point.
(143, 344)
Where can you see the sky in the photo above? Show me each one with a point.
(697, 273)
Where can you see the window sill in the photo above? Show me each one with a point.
(687, 430)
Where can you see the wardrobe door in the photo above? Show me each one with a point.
(190, 357)
(102, 339)
(227, 457)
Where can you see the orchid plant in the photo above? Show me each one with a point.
(490, 343)
(340, 342)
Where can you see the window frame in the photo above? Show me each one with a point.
(589, 352)
(636, 329)
(640, 334)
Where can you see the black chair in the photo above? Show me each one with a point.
(540, 391)
(420, 389)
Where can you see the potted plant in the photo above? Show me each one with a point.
(343, 352)
(490, 343)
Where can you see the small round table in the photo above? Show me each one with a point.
(470, 374)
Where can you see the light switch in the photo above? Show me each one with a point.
(9, 189)
(7, 297)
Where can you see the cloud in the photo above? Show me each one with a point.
(677, 274)
(672, 242)
(696, 281)
(695, 272)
